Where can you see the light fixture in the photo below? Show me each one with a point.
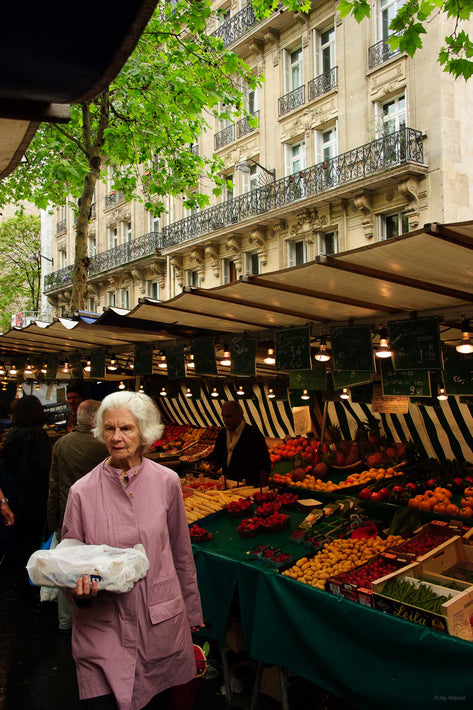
(2, 370)
(113, 364)
(28, 368)
(442, 395)
(13, 371)
(465, 346)
(240, 391)
(141, 390)
(188, 392)
(270, 359)
(4, 386)
(163, 392)
(271, 393)
(44, 368)
(65, 368)
(214, 392)
(227, 360)
(305, 394)
(383, 351)
(245, 167)
(190, 362)
(323, 353)
(345, 393)
(38, 386)
(121, 386)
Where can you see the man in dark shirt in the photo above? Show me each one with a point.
(240, 449)
(75, 395)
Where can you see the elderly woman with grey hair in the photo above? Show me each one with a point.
(132, 648)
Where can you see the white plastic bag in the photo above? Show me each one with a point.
(49, 594)
(114, 568)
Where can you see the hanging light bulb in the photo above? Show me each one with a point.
(121, 386)
(305, 395)
(44, 368)
(113, 364)
(271, 394)
(87, 367)
(442, 395)
(28, 368)
(141, 389)
(323, 353)
(240, 391)
(270, 359)
(163, 392)
(227, 360)
(162, 363)
(2, 370)
(190, 362)
(4, 386)
(465, 346)
(345, 393)
(65, 367)
(188, 392)
(214, 392)
(13, 371)
(38, 386)
(383, 351)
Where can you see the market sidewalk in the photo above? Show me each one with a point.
(37, 671)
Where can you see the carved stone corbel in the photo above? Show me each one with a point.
(257, 238)
(211, 252)
(176, 262)
(362, 203)
(409, 189)
(198, 256)
(233, 244)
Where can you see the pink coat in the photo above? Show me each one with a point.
(138, 643)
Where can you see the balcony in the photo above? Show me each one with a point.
(395, 149)
(243, 126)
(147, 245)
(227, 135)
(236, 26)
(380, 52)
(323, 83)
(113, 198)
(61, 226)
(292, 100)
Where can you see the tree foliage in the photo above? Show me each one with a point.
(177, 78)
(20, 267)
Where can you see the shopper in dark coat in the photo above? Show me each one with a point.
(240, 449)
(26, 463)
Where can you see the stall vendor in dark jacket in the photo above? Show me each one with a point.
(240, 449)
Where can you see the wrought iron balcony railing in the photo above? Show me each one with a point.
(323, 83)
(243, 126)
(403, 146)
(227, 135)
(93, 210)
(113, 198)
(61, 226)
(194, 148)
(292, 100)
(236, 26)
(145, 245)
(380, 52)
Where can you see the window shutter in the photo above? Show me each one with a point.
(317, 54)
(287, 72)
(291, 254)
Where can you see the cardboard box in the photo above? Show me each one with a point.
(452, 560)
(455, 614)
(440, 529)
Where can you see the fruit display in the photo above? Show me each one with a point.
(361, 577)
(196, 451)
(238, 508)
(203, 503)
(295, 447)
(180, 437)
(354, 479)
(266, 509)
(415, 593)
(263, 496)
(199, 534)
(431, 536)
(273, 556)
(272, 523)
(337, 557)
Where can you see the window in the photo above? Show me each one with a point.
(112, 298)
(192, 278)
(392, 225)
(327, 243)
(252, 265)
(394, 115)
(392, 121)
(110, 178)
(91, 305)
(126, 232)
(250, 181)
(296, 252)
(295, 158)
(229, 271)
(388, 10)
(294, 74)
(153, 222)
(91, 247)
(62, 258)
(325, 51)
(113, 240)
(326, 148)
(252, 101)
(152, 289)
(228, 189)
(124, 298)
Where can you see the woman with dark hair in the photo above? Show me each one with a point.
(26, 463)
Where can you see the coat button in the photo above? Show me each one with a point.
(131, 495)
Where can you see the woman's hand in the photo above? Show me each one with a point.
(7, 514)
(195, 629)
(84, 589)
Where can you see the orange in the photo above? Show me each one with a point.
(452, 509)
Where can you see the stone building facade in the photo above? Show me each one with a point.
(354, 143)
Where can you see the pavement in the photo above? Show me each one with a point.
(37, 670)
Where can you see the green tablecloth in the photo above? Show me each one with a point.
(371, 659)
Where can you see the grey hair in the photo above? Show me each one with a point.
(141, 407)
(87, 411)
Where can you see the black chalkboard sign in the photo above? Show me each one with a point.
(362, 394)
(143, 361)
(352, 348)
(315, 379)
(296, 401)
(293, 349)
(280, 390)
(350, 378)
(243, 354)
(415, 344)
(413, 383)
(204, 356)
(97, 363)
(458, 372)
(175, 362)
(76, 367)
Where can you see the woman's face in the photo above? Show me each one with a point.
(122, 436)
